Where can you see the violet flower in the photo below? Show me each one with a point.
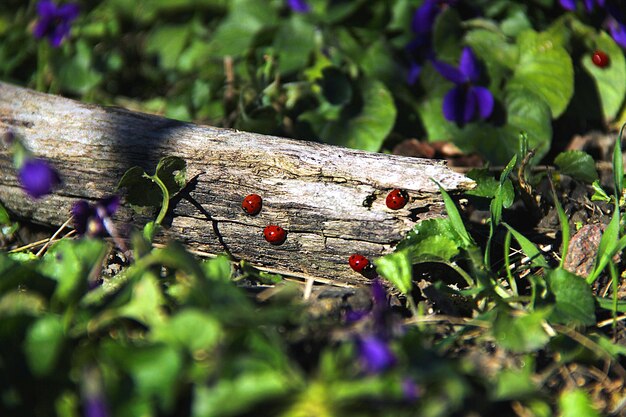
(38, 177)
(410, 390)
(375, 354)
(299, 6)
(465, 101)
(95, 219)
(55, 22)
(589, 4)
(420, 48)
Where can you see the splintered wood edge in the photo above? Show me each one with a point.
(331, 200)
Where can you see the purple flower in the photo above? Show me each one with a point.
(94, 219)
(589, 4)
(299, 6)
(38, 178)
(420, 48)
(410, 390)
(375, 354)
(465, 100)
(95, 407)
(618, 32)
(54, 21)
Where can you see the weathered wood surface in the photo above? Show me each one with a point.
(316, 192)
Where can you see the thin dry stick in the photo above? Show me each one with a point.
(54, 236)
(610, 321)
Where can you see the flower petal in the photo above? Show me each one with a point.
(375, 354)
(449, 72)
(459, 106)
(618, 33)
(414, 72)
(46, 9)
(425, 16)
(68, 12)
(38, 178)
(484, 101)
(568, 4)
(468, 65)
(298, 6)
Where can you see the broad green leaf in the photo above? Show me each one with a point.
(168, 42)
(536, 257)
(76, 73)
(544, 68)
(368, 128)
(611, 80)
(432, 239)
(249, 388)
(575, 303)
(236, 34)
(147, 302)
(486, 184)
(172, 170)
(446, 33)
(577, 164)
(576, 403)
(524, 333)
(192, 329)
(498, 55)
(154, 369)
(397, 269)
(294, 42)
(71, 263)
(513, 384)
(43, 344)
(141, 190)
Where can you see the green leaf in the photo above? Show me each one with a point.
(524, 333)
(529, 248)
(368, 128)
(236, 34)
(609, 243)
(146, 304)
(43, 344)
(249, 388)
(141, 190)
(76, 73)
(577, 164)
(486, 184)
(618, 165)
(168, 42)
(172, 171)
(294, 42)
(576, 403)
(192, 329)
(432, 239)
(544, 68)
(575, 303)
(71, 263)
(498, 55)
(610, 81)
(397, 269)
(455, 218)
(513, 384)
(155, 370)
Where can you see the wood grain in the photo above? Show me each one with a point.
(320, 194)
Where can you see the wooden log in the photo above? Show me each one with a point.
(331, 200)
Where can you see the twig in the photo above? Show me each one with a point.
(63, 226)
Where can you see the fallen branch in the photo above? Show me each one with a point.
(331, 200)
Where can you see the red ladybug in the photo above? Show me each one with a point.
(252, 204)
(358, 262)
(600, 59)
(397, 199)
(274, 234)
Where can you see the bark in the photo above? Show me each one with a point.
(331, 200)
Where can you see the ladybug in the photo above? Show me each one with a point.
(600, 59)
(358, 262)
(274, 234)
(252, 204)
(397, 199)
